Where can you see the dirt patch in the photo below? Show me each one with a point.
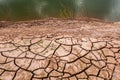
(76, 27)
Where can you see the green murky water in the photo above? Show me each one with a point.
(37, 9)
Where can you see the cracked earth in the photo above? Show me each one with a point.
(60, 57)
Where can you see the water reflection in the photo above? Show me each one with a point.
(39, 6)
(97, 7)
(35, 9)
(114, 14)
(56, 8)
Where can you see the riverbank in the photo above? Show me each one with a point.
(57, 49)
(76, 28)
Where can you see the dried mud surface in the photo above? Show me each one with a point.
(60, 50)
(55, 27)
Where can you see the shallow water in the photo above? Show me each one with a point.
(37, 9)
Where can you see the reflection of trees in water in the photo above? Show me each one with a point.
(4, 9)
(60, 8)
(32, 9)
(22, 9)
(17, 10)
(97, 8)
(68, 9)
(26, 9)
(114, 14)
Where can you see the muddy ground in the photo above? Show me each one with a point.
(57, 49)
(76, 27)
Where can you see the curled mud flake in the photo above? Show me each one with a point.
(109, 45)
(63, 51)
(99, 45)
(93, 40)
(85, 39)
(35, 40)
